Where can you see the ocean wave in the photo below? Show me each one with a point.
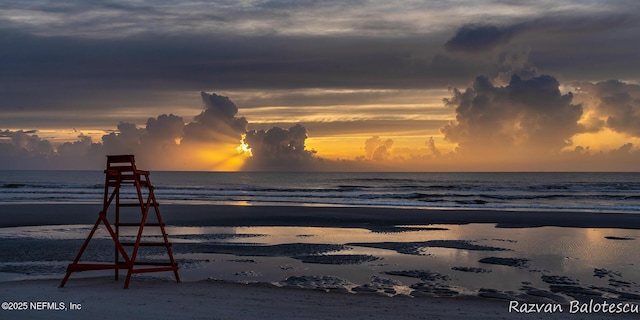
(50, 186)
(420, 190)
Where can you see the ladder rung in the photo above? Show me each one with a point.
(146, 244)
(122, 168)
(126, 179)
(137, 224)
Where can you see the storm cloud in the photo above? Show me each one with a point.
(526, 114)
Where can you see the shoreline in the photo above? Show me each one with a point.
(18, 215)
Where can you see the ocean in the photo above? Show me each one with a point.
(601, 192)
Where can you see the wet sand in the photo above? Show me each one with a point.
(227, 215)
(157, 298)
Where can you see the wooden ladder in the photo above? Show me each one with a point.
(121, 171)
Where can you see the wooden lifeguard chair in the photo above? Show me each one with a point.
(121, 172)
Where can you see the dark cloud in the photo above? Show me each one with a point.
(596, 45)
(515, 63)
(26, 150)
(618, 102)
(280, 149)
(190, 62)
(80, 154)
(126, 140)
(474, 38)
(156, 144)
(217, 123)
(341, 128)
(166, 128)
(84, 76)
(95, 76)
(20, 148)
(526, 114)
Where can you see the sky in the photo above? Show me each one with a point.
(362, 85)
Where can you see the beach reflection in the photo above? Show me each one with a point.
(553, 251)
(466, 258)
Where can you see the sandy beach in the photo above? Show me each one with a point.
(230, 215)
(104, 299)
(287, 262)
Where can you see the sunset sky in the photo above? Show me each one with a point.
(321, 85)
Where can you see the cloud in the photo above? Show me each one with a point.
(167, 50)
(142, 55)
(285, 17)
(166, 128)
(377, 149)
(478, 38)
(577, 45)
(217, 123)
(208, 142)
(618, 103)
(19, 149)
(279, 149)
(431, 144)
(623, 158)
(80, 154)
(515, 63)
(125, 141)
(475, 38)
(157, 135)
(167, 142)
(384, 154)
(153, 72)
(528, 115)
(26, 150)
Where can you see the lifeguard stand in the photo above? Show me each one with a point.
(121, 172)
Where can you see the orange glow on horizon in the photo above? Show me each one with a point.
(224, 157)
(604, 140)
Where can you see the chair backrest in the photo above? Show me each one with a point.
(123, 166)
